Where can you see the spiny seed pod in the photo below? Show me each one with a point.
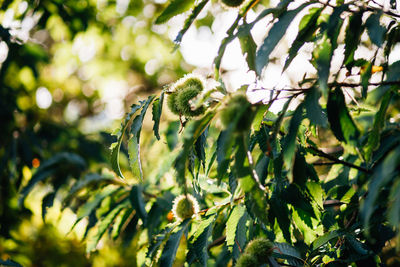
(185, 206)
(237, 111)
(232, 3)
(259, 249)
(184, 90)
(183, 102)
(246, 260)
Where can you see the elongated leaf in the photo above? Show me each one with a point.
(383, 173)
(137, 201)
(88, 179)
(189, 21)
(287, 249)
(276, 33)
(342, 125)
(169, 251)
(174, 8)
(47, 202)
(352, 39)
(308, 26)
(115, 147)
(375, 30)
(134, 140)
(323, 55)
(365, 76)
(281, 213)
(90, 206)
(231, 225)
(249, 48)
(10, 263)
(199, 241)
(379, 120)
(157, 110)
(103, 225)
(192, 132)
(120, 221)
(314, 111)
(66, 163)
(320, 241)
(394, 206)
(290, 140)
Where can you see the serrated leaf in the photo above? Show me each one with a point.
(137, 201)
(365, 76)
(313, 109)
(308, 26)
(134, 140)
(287, 249)
(189, 21)
(375, 30)
(169, 251)
(231, 225)
(323, 55)
(199, 241)
(91, 205)
(224, 148)
(88, 179)
(174, 8)
(359, 247)
(115, 147)
(354, 31)
(172, 134)
(249, 48)
(120, 221)
(192, 132)
(103, 225)
(157, 110)
(379, 120)
(342, 124)
(281, 212)
(289, 144)
(276, 33)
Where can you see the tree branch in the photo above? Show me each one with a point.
(338, 161)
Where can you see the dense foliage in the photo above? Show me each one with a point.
(315, 184)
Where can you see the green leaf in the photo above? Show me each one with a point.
(134, 140)
(280, 210)
(169, 251)
(103, 225)
(323, 55)
(314, 111)
(394, 204)
(375, 30)
(172, 134)
(90, 206)
(276, 33)
(174, 8)
(354, 31)
(379, 120)
(231, 225)
(383, 173)
(289, 144)
(199, 241)
(89, 179)
(308, 26)
(342, 125)
(47, 202)
(157, 110)
(224, 149)
(288, 250)
(10, 263)
(249, 48)
(192, 132)
(365, 76)
(115, 147)
(122, 219)
(137, 201)
(189, 21)
(322, 240)
(64, 162)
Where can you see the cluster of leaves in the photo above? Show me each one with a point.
(265, 174)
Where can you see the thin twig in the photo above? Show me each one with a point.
(339, 161)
